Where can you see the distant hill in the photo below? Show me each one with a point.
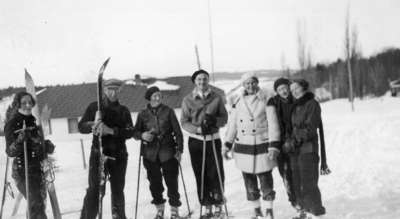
(236, 75)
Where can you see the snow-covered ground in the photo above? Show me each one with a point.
(363, 150)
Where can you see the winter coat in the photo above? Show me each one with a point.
(163, 123)
(254, 129)
(306, 118)
(283, 111)
(194, 109)
(36, 147)
(115, 116)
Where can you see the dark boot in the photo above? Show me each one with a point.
(258, 213)
(269, 213)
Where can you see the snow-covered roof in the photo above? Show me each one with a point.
(163, 85)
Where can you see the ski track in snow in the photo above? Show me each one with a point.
(362, 150)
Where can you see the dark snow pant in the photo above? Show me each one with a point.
(37, 190)
(155, 172)
(212, 191)
(116, 170)
(266, 184)
(286, 173)
(305, 173)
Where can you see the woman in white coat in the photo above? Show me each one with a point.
(253, 128)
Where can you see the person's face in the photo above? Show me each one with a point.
(297, 90)
(251, 86)
(283, 91)
(155, 99)
(201, 82)
(26, 105)
(112, 93)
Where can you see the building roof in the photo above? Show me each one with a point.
(70, 101)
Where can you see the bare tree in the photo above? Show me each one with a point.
(348, 57)
(301, 45)
(358, 75)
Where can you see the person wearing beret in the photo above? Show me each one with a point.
(115, 127)
(18, 113)
(253, 128)
(302, 146)
(283, 101)
(161, 147)
(203, 114)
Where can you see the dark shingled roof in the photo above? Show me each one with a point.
(70, 101)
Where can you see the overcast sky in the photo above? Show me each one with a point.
(66, 41)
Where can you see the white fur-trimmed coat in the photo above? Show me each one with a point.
(253, 127)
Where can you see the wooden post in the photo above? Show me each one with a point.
(83, 154)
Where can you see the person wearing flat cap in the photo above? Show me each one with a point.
(253, 128)
(115, 127)
(161, 147)
(203, 114)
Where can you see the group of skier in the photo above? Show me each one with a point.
(262, 132)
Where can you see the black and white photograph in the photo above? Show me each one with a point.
(199, 109)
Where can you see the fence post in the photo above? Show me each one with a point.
(83, 154)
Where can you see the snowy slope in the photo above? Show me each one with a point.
(363, 152)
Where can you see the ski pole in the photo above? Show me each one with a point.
(219, 173)
(138, 182)
(184, 189)
(27, 175)
(3, 199)
(203, 164)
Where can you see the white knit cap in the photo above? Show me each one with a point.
(247, 76)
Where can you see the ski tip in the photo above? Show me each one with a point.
(103, 67)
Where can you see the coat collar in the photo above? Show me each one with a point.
(197, 94)
(305, 98)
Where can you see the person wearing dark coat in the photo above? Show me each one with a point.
(303, 146)
(161, 147)
(115, 127)
(203, 114)
(20, 112)
(283, 102)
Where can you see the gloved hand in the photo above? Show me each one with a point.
(289, 146)
(147, 136)
(103, 129)
(210, 120)
(178, 156)
(226, 150)
(21, 137)
(49, 146)
(205, 128)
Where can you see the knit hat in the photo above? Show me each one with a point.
(281, 81)
(150, 91)
(247, 76)
(303, 83)
(201, 71)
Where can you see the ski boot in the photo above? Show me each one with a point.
(269, 213)
(302, 215)
(208, 213)
(160, 212)
(174, 213)
(311, 216)
(218, 212)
